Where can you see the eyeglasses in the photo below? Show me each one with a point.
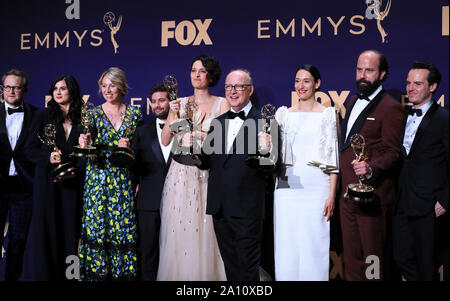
(12, 88)
(236, 87)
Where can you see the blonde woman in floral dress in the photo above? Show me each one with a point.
(108, 236)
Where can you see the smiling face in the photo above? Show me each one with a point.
(238, 99)
(110, 91)
(160, 105)
(61, 93)
(13, 90)
(199, 76)
(305, 84)
(417, 87)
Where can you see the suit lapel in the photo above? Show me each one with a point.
(25, 125)
(423, 125)
(345, 121)
(156, 147)
(3, 132)
(359, 122)
(405, 119)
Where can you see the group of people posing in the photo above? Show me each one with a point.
(158, 219)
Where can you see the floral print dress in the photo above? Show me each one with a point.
(108, 237)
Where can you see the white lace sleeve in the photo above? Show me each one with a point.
(328, 156)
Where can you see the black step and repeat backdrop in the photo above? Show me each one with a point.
(150, 39)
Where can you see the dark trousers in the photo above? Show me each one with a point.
(19, 206)
(414, 246)
(149, 223)
(239, 241)
(364, 228)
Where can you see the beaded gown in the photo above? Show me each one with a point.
(188, 245)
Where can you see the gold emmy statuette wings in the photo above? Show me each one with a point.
(381, 17)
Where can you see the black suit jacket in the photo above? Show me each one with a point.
(424, 171)
(150, 166)
(22, 162)
(233, 186)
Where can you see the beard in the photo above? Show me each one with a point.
(163, 115)
(369, 88)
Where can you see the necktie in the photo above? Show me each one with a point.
(232, 115)
(413, 111)
(362, 96)
(16, 110)
(161, 125)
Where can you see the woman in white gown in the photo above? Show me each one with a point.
(305, 189)
(188, 245)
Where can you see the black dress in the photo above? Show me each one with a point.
(56, 221)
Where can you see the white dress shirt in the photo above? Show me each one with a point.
(14, 124)
(234, 125)
(165, 149)
(412, 124)
(359, 106)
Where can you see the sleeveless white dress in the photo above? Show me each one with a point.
(301, 232)
(188, 244)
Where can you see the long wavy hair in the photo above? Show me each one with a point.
(76, 102)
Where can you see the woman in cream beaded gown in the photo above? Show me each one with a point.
(188, 245)
(305, 189)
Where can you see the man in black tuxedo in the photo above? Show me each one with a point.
(152, 162)
(17, 129)
(236, 191)
(423, 181)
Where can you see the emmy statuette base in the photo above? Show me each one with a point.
(122, 157)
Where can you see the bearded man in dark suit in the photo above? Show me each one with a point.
(378, 117)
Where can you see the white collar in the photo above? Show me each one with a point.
(246, 109)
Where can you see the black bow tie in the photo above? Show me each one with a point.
(232, 115)
(161, 125)
(16, 110)
(413, 111)
(362, 96)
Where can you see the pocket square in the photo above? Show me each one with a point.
(370, 118)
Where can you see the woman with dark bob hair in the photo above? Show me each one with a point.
(55, 225)
(188, 245)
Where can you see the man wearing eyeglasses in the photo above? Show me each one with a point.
(17, 120)
(236, 192)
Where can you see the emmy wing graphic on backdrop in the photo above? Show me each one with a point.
(108, 19)
(373, 12)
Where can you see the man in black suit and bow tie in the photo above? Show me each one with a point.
(423, 181)
(236, 191)
(17, 129)
(152, 162)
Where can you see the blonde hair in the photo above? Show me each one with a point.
(117, 77)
